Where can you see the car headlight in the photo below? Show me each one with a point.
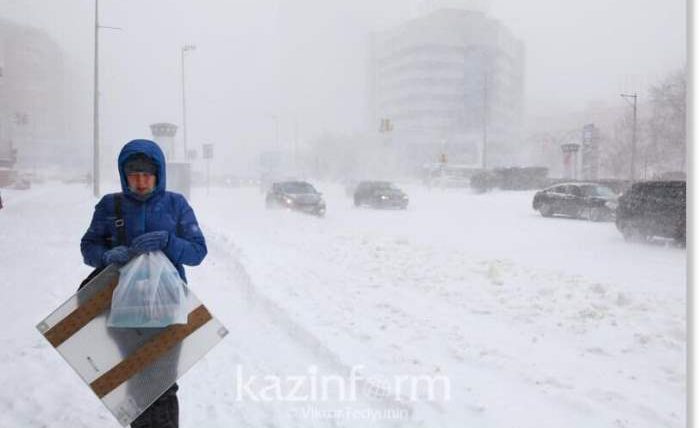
(384, 197)
(611, 204)
(288, 201)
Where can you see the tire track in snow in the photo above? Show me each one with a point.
(371, 394)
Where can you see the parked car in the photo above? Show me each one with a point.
(380, 194)
(581, 200)
(21, 184)
(448, 175)
(653, 208)
(484, 181)
(295, 195)
(511, 178)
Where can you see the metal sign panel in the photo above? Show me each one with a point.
(590, 152)
(207, 151)
(127, 368)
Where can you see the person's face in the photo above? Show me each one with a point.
(141, 182)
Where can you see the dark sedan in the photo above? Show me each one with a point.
(581, 200)
(380, 194)
(295, 195)
(653, 208)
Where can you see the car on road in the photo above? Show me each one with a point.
(295, 195)
(22, 184)
(653, 208)
(380, 194)
(591, 201)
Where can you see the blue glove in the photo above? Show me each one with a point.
(118, 255)
(151, 241)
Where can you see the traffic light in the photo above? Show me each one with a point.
(385, 125)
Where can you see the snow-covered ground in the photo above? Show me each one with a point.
(533, 322)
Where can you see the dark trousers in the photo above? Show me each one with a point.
(163, 413)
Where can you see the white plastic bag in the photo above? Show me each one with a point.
(150, 293)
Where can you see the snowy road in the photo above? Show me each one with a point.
(534, 321)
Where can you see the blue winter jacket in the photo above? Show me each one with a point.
(160, 210)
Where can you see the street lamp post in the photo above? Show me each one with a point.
(634, 134)
(96, 108)
(276, 119)
(485, 122)
(184, 105)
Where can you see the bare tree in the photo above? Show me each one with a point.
(616, 149)
(661, 133)
(666, 126)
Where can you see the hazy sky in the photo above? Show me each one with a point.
(304, 62)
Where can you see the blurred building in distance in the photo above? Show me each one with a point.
(32, 96)
(447, 81)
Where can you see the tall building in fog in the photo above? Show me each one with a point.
(32, 95)
(447, 81)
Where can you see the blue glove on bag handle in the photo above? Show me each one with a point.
(151, 241)
(119, 255)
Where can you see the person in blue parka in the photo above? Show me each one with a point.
(154, 219)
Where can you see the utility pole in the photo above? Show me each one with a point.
(96, 114)
(184, 105)
(633, 159)
(296, 142)
(484, 124)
